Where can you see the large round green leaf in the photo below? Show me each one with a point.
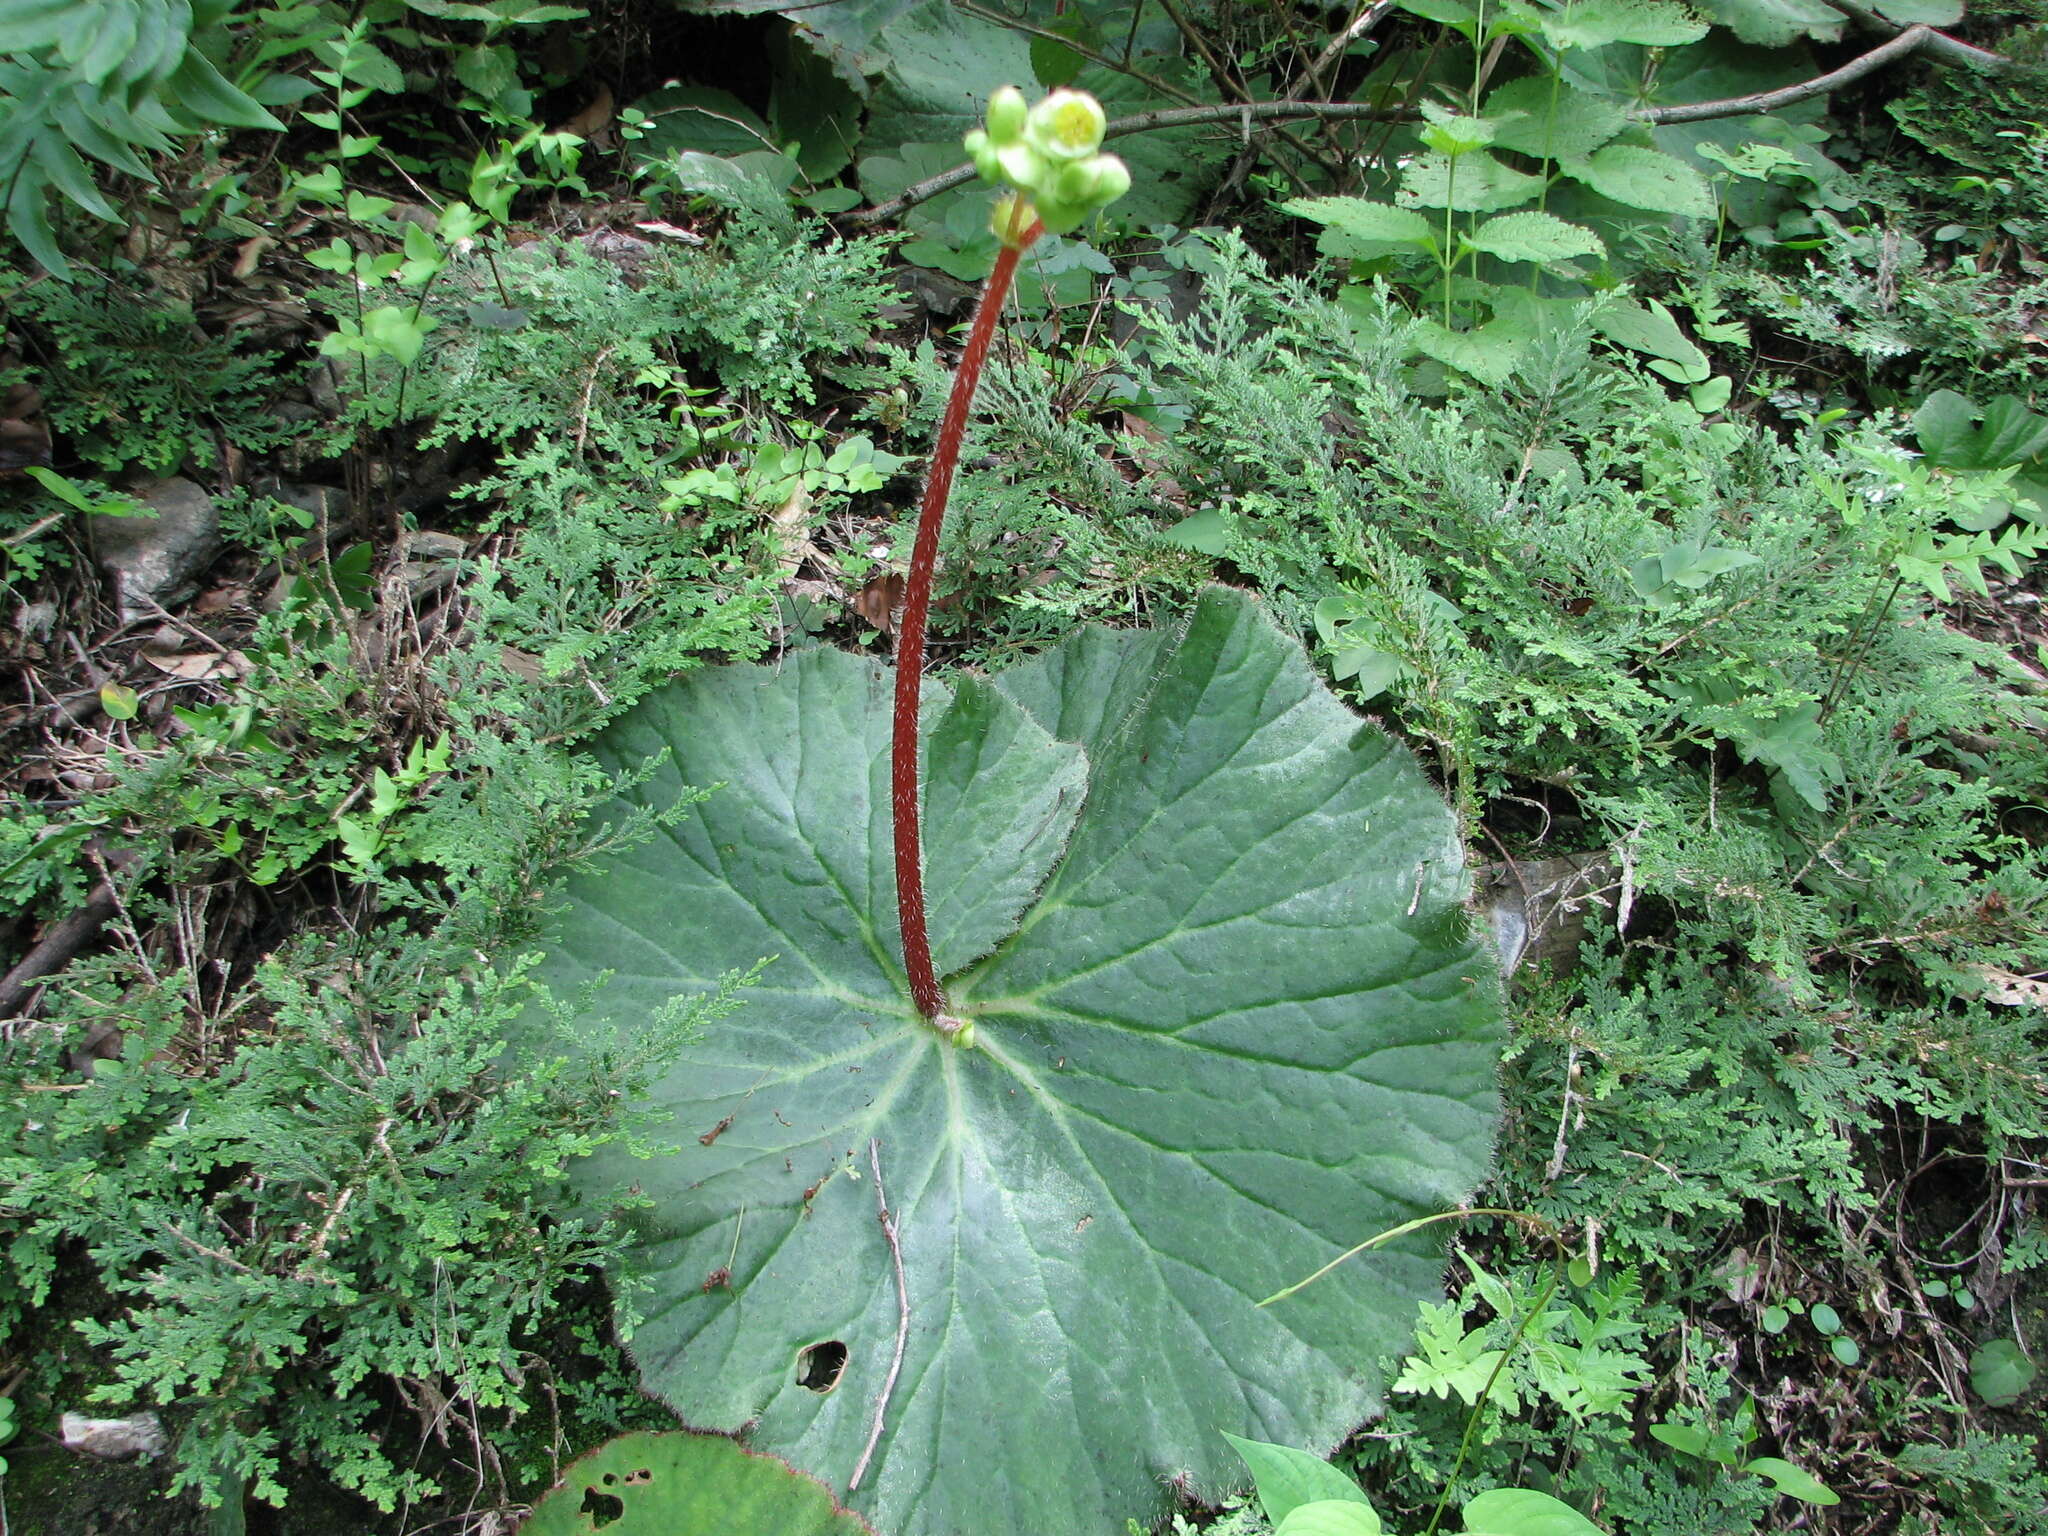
(1238, 1028)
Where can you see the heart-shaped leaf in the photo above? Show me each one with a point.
(1330, 1517)
(1533, 236)
(1945, 426)
(1774, 23)
(1540, 117)
(1794, 1482)
(1356, 227)
(1525, 1512)
(1239, 1027)
(1597, 23)
(1644, 178)
(1286, 1479)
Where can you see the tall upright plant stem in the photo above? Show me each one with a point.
(917, 599)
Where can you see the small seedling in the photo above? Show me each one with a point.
(1729, 1448)
(1827, 1322)
(1953, 1290)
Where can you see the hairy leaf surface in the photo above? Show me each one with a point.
(1238, 1028)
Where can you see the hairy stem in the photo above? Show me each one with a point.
(917, 598)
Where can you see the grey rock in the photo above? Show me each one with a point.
(140, 1434)
(323, 383)
(934, 291)
(154, 559)
(629, 253)
(1536, 907)
(36, 620)
(327, 503)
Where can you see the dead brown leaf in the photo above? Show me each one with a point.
(593, 119)
(877, 602)
(24, 434)
(788, 521)
(2009, 989)
(199, 666)
(521, 663)
(250, 252)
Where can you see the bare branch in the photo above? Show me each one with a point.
(1938, 45)
(58, 946)
(1912, 40)
(1945, 49)
(1103, 60)
(888, 1222)
(1367, 19)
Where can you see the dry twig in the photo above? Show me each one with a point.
(888, 1221)
(1940, 46)
(57, 949)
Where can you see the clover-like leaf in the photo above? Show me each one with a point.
(1239, 1027)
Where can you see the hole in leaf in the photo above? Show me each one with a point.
(818, 1365)
(603, 1508)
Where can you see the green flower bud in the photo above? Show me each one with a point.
(1022, 166)
(1112, 180)
(1049, 153)
(983, 153)
(1007, 113)
(1075, 182)
(1081, 189)
(1012, 217)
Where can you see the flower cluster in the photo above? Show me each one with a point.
(1052, 155)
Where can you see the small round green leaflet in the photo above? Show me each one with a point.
(2000, 1373)
(684, 1484)
(1228, 1021)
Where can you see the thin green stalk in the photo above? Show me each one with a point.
(1860, 642)
(1436, 1516)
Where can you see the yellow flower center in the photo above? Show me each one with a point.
(1074, 124)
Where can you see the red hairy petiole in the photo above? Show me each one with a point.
(917, 597)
